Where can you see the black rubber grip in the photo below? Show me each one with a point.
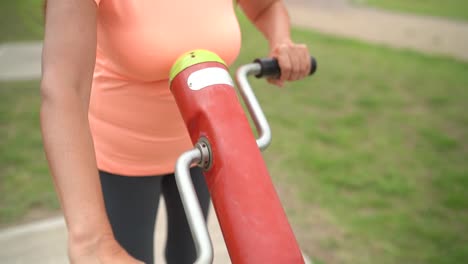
(271, 69)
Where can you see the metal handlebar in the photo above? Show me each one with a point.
(266, 67)
(191, 205)
(255, 111)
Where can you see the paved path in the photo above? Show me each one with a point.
(20, 61)
(44, 242)
(425, 34)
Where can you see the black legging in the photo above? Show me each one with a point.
(132, 204)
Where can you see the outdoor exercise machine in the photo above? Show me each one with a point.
(252, 220)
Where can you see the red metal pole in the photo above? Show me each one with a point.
(253, 222)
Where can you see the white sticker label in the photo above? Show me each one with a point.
(207, 77)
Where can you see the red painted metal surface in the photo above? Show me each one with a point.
(250, 214)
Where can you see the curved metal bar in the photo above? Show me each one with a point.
(192, 207)
(252, 104)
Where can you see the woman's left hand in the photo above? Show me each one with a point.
(293, 59)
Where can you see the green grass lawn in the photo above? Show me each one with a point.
(454, 9)
(20, 20)
(25, 185)
(369, 155)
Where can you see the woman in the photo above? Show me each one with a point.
(111, 129)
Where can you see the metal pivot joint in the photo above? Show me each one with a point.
(206, 161)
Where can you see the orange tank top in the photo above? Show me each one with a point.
(135, 123)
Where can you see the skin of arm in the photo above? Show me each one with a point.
(68, 61)
(271, 18)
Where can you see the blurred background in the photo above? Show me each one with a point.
(369, 156)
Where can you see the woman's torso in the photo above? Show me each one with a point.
(136, 126)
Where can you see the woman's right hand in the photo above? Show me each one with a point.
(104, 251)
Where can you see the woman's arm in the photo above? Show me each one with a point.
(67, 71)
(272, 19)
